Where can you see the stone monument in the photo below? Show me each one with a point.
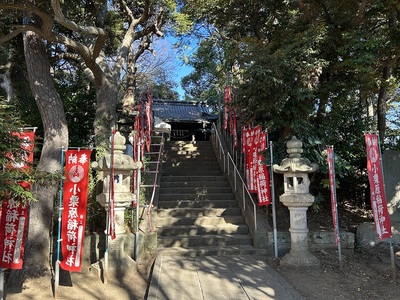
(118, 257)
(297, 198)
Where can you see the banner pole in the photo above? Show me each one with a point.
(273, 202)
(60, 208)
(1, 284)
(108, 212)
(2, 275)
(392, 258)
(336, 217)
(137, 202)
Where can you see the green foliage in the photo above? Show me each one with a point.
(13, 181)
(206, 82)
(79, 100)
(310, 69)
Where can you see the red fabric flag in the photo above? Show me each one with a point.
(244, 143)
(139, 129)
(14, 215)
(234, 130)
(263, 139)
(378, 199)
(252, 145)
(263, 183)
(149, 121)
(74, 212)
(331, 170)
(14, 221)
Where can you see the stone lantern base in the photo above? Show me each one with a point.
(303, 260)
(299, 256)
(120, 253)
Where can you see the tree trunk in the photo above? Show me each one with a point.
(106, 97)
(37, 246)
(382, 98)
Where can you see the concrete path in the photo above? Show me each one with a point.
(217, 277)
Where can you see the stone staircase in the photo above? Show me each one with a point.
(197, 211)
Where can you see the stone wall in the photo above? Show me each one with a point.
(391, 172)
(94, 247)
(317, 240)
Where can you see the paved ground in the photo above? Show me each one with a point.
(221, 277)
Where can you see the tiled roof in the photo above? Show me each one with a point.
(182, 111)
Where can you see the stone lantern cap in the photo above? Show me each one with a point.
(122, 162)
(295, 163)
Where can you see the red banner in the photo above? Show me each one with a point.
(227, 100)
(263, 183)
(252, 144)
(14, 215)
(234, 130)
(244, 142)
(331, 170)
(149, 121)
(14, 221)
(378, 199)
(263, 139)
(74, 212)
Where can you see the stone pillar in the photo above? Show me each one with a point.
(299, 254)
(296, 197)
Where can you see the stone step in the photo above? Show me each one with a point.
(208, 184)
(196, 197)
(220, 240)
(202, 190)
(165, 204)
(199, 148)
(178, 146)
(192, 173)
(189, 163)
(188, 179)
(211, 220)
(171, 169)
(197, 212)
(184, 230)
(209, 251)
(168, 155)
(183, 184)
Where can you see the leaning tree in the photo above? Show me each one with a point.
(104, 39)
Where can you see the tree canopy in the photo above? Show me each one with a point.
(295, 60)
(325, 71)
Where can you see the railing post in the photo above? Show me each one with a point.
(226, 160)
(243, 196)
(235, 182)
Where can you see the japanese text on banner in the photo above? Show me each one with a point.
(74, 212)
(14, 215)
(375, 177)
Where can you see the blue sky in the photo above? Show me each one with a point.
(181, 69)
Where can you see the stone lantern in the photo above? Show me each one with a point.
(123, 170)
(296, 197)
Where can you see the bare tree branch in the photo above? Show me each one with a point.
(100, 34)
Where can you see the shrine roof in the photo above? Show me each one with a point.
(183, 111)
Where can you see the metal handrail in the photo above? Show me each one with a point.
(155, 181)
(236, 174)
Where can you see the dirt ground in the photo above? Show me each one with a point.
(84, 285)
(365, 274)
